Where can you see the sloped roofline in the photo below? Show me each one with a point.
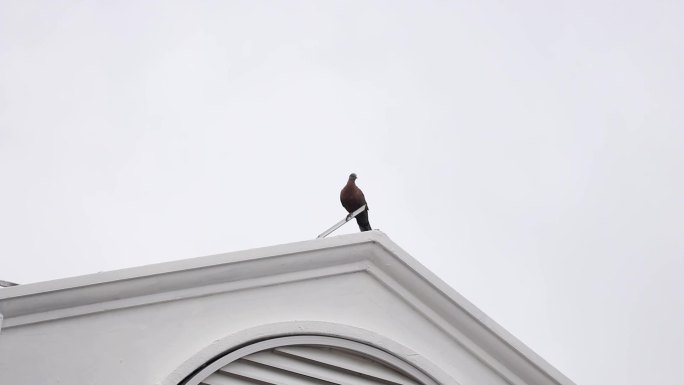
(372, 252)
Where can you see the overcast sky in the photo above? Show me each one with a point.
(529, 153)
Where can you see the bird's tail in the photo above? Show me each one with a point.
(362, 221)
(365, 227)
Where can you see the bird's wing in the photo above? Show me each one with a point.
(363, 199)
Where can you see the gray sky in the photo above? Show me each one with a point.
(529, 152)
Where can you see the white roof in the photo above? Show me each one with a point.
(370, 253)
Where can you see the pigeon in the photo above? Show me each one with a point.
(352, 199)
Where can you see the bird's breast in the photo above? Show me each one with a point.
(351, 198)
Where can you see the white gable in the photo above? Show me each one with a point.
(165, 323)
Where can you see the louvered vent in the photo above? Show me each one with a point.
(306, 365)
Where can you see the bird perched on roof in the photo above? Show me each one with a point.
(352, 199)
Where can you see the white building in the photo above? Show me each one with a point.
(353, 309)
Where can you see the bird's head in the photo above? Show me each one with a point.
(352, 176)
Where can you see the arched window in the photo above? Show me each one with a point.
(309, 359)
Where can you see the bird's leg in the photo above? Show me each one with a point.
(349, 217)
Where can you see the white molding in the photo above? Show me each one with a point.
(368, 252)
(459, 318)
(190, 292)
(44, 301)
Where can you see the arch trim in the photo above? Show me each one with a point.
(361, 341)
